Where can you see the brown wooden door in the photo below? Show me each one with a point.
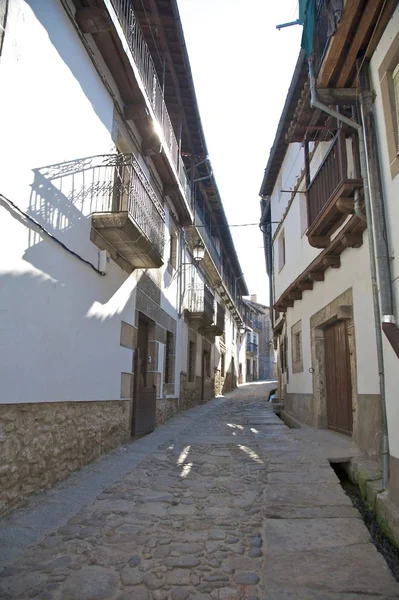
(142, 345)
(338, 378)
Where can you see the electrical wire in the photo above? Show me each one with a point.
(50, 235)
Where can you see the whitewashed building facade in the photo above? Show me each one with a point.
(323, 205)
(109, 323)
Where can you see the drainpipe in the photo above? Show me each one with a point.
(373, 269)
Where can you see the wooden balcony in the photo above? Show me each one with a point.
(330, 195)
(199, 305)
(128, 218)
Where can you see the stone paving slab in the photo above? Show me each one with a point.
(208, 507)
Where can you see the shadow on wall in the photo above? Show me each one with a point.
(51, 302)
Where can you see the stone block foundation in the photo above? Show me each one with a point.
(41, 444)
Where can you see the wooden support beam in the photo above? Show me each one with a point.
(287, 303)
(93, 19)
(305, 285)
(352, 240)
(342, 96)
(366, 22)
(135, 112)
(316, 276)
(332, 261)
(170, 190)
(295, 295)
(319, 241)
(345, 205)
(338, 42)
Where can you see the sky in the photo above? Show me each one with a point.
(242, 68)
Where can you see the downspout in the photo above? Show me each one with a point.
(376, 302)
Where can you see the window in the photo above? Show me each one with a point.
(169, 348)
(222, 365)
(191, 361)
(173, 250)
(388, 73)
(296, 347)
(281, 250)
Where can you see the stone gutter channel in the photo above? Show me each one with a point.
(360, 478)
(379, 538)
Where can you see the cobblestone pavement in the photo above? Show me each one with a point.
(234, 506)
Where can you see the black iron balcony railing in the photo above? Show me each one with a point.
(207, 238)
(199, 302)
(153, 88)
(330, 193)
(251, 347)
(118, 186)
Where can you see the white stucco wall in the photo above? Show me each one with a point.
(60, 321)
(354, 273)
(391, 193)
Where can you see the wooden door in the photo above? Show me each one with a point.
(338, 378)
(203, 373)
(142, 345)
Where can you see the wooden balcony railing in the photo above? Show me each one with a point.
(330, 193)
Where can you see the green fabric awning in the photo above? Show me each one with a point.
(307, 11)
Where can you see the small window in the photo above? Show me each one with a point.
(388, 73)
(173, 250)
(222, 365)
(296, 347)
(281, 250)
(169, 348)
(191, 361)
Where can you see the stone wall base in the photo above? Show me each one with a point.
(191, 391)
(367, 474)
(166, 408)
(41, 444)
(300, 407)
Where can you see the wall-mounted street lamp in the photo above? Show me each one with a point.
(198, 252)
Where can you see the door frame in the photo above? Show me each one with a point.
(337, 344)
(341, 308)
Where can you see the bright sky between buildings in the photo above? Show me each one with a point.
(242, 67)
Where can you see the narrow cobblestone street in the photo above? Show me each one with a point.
(232, 504)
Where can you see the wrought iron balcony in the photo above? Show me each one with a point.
(148, 74)
(128, 218)
(210, 245)
(118, 35)
(199, 305)
(252, 348)
(330, 195)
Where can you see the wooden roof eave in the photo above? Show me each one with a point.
(349, 236)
